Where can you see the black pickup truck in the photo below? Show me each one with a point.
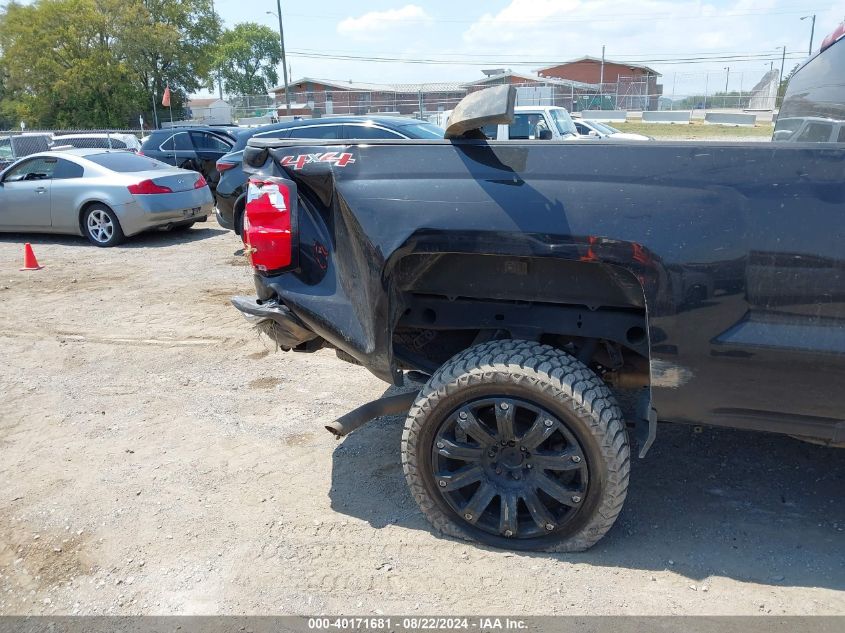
(532, 282)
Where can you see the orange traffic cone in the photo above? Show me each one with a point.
(29, 261)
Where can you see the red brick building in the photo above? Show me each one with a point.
(632, 85)
(321, 97)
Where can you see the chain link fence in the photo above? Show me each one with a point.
(15, 144)
(429, 101)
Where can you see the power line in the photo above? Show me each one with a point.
(514, 56)
(761, 57)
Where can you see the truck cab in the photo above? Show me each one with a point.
(535, 123)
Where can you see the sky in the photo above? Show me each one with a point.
(524, 35)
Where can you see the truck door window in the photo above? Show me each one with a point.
(815, 132)
(524, 126)
(563, 122)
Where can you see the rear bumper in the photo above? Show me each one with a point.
(275, 320)
(223, 220)
(153, 211)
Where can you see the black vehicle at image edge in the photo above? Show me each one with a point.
(536, 281)
(231, 189)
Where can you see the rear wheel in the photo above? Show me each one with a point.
(517, 445)
(101, 226)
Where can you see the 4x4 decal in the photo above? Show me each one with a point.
(341, 159)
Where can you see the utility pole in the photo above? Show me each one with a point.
(812, 31)
(727, 78)
(284, 59)
(601, 74)
(219, 71)
(155, 112)
(706, 88)
(674, 81)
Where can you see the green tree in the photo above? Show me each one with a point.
(60, 67)
(98, 63)
(170, 42)
(247, 56)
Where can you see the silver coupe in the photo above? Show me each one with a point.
(103, 195)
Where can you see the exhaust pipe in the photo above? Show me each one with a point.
(391, 405)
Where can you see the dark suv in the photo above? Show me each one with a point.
(231, 187)
(195, 148)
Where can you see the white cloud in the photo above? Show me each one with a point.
(376, 24)
(648, 31)
(636, 25)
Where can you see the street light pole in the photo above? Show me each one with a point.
(812, 31)
(284, 59)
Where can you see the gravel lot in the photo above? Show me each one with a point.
(158, 457)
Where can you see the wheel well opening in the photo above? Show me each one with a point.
(593, 311)
(84, 209)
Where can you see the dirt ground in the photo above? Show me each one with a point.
(158, 457)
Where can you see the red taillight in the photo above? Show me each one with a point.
(267, 231)
(224, 166)
(833, 37)
(200, 183)
(147, 187)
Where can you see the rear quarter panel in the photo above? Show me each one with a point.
(692, 222)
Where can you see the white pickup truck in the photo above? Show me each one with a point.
(535, 123)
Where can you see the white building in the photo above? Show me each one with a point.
(209, 111)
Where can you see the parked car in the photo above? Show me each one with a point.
(231, 187)
(534, 123)
(104, 195)
(196, 148)
(599, 129)
(530, 281)
(98, 140)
